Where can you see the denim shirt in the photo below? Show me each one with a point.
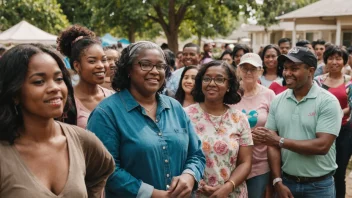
(147, 154)
(174, 81)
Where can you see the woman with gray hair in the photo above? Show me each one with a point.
(156, 150)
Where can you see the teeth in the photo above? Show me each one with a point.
(54, 101)
(100, 74)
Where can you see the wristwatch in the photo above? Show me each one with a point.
(281, 142)
(276, 180)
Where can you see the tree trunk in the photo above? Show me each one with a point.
(172, 41)
(199, 38)
(131, 34)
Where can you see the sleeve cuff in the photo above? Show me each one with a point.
(189, 171)
(145, 191)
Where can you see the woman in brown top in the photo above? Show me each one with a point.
(41, 157)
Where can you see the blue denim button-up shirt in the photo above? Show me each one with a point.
(147, 154)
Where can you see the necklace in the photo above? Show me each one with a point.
(149, 110)
(212, 123)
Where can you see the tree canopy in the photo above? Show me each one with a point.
(45, 14)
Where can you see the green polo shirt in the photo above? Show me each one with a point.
(318, 111)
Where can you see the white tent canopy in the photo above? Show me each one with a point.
(25, 32)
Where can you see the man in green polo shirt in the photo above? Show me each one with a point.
(301, 129)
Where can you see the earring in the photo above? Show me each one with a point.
(16, 109)
(228, 90)
(129, 75)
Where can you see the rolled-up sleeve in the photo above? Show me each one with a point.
(195, 163)
(120, 183)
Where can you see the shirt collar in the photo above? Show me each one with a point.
(313, 92)
(130, 103)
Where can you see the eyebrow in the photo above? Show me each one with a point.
(42, 74)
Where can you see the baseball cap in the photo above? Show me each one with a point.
(251, 58)
(299, 55)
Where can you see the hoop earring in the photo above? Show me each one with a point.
(16, 109)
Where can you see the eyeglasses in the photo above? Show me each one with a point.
(252, 70)
(217, 80)
(148, 66)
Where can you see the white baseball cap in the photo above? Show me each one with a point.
(253, 59)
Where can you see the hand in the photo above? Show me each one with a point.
(223, 192)
(256, 139)
(160, 193)
(206, 189)
(282, 190)
(266, 136)
(181, 186)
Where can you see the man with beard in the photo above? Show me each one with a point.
(303, 124)
(190, 56)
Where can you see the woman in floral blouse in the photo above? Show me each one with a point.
(224, 131)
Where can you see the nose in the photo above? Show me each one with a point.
(154, 70)
(54, 86)
(100, 64)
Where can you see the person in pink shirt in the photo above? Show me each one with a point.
(89, 61)
(255, 104)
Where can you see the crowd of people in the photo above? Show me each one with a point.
(86, 121)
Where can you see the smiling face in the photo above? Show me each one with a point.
(188, 80)
(270, 58)
(44, 92)
(147, 82)
(190, 56)
(215, 91)
(297, 75)
(93, 65)
(335, 63)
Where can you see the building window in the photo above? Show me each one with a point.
(310, 36)
(347, 39)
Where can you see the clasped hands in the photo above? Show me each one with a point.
(180, 187)
(262, 135)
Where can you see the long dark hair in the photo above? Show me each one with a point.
(180, 93)
(231, 97)
(279, 66)
(13, 70)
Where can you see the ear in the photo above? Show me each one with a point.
(311, 71)
(77, 66)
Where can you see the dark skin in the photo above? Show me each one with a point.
(144, 85)
(213, 104)
(299, 78)
(42, 142)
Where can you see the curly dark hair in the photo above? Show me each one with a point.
(13, 70)
(279, 65)
(128, 55)
(334, 49)
(73, 42)
(231, 97)
(180, 93)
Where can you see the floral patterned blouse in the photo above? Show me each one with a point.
(221, 138)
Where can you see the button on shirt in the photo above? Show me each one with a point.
(148, 154)
(318, 112)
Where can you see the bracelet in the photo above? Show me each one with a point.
(233, 183)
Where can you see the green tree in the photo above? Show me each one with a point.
(45, 14)
(77, 11)
(134, 16)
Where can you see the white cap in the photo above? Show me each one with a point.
(253, 59)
